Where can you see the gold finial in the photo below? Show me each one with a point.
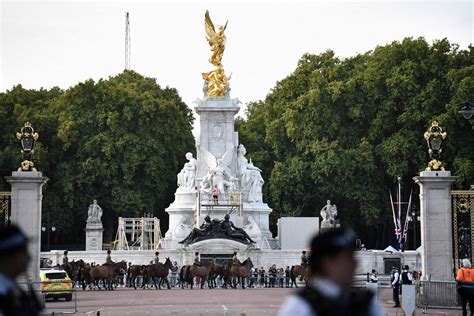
(27, 137)
(216, 80)
(434, 137)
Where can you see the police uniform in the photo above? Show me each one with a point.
(395, 281)
(323, 296)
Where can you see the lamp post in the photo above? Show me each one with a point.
(48, 230)
(467, 110)
(414, 217)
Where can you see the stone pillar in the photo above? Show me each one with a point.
(94, 234)
(436, 224)
(27, 197)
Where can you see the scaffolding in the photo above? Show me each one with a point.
(138, 234)
(228, 203)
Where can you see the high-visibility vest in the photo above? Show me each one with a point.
(465, 275)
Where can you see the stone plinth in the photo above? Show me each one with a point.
(436, 224)
(27, 197)
(94, 233)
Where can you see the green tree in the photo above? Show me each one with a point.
(344, 129)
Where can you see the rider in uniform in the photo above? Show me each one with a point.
(332, 265)
(304, 263)
(108, 260)
(157, 258)
(197, 262)
(235, 260)
(66, 264)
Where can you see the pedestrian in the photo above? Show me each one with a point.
(287, 276)
(331, 274)
(406, 277)
(261, 273)
(281, 275)
(272, 273)
(215, 195)
(174, 273)
(465, 286)
(14, 260)
(395, 282)
(373, 277)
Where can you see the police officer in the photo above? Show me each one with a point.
(14, 259)
(197, 262)
(373, 277)
(108, 260)
(406, 277)
(332, 265)
(157, 258)
(395, 282)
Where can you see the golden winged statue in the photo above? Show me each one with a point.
(216, 80)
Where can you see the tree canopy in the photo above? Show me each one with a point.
(345, 129)
(120, 141)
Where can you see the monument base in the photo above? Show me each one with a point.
(94, 235)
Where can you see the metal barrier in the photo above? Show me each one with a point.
(437, 294)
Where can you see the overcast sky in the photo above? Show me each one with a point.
(48, 43)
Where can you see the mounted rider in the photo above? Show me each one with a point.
(108, 260)
(235, 260)
(197, 261)
(157, 259)
(66, 264)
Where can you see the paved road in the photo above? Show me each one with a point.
(196, 302)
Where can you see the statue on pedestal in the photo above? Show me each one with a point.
(250, 176)
(94, 213)
(187, 175)
(328, 214)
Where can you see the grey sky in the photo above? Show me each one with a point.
(46, 44)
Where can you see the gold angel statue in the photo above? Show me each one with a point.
(216, 80)
(216, 40)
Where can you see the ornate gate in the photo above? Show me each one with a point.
(463, 225)
(5, 207)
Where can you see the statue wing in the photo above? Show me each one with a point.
(210, 29)
(227, 157)
(208, 158)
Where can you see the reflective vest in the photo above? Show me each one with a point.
(465, 275)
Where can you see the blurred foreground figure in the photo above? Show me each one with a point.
(332, 265)
(14, 259)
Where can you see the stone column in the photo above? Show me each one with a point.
(94, 233)
(27, 197)
(436, 224)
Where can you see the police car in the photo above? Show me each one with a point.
(55, 284)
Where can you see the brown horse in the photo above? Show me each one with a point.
(241, 272)
(217, 270)
(106, 273)
(161, 271)
(297, 270)
(135, 271)
(185, 276)
(202, 272)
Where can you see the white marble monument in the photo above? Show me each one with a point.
(94, 229)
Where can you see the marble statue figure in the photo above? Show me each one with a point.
(328, 214)
(250, 176)
(218, 172)
(187, 175)
(94, 214)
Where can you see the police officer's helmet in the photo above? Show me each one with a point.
(329, 244)
(196, 253)
(12, 240)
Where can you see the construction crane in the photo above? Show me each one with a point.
(127, 41)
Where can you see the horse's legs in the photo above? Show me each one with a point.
(168, 283)
(243, 283)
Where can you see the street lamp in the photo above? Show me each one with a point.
(48, 230)
(414, 217)
(466, 110)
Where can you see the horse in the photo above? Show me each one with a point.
(135, 271)
(202, 272)
(296, 271)
(161, 271)
(217, 270)
(241, 272)
(106, 272)
(185, 276)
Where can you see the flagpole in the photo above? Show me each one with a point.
(405, 226)
(400, 242)
(393, 213)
